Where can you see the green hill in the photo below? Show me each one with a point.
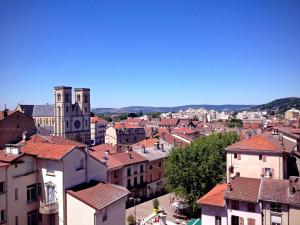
(279, 106)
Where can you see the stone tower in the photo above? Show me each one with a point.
(62, 111)
(72, 121)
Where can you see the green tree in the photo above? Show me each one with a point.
(192, 171)
(235, 123)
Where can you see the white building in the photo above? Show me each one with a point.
(98, 128)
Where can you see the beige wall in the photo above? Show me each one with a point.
(250, 166)
(111, 136)
(267, 214)
(79, 213)
(294, 217)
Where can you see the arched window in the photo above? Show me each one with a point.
(58, 97)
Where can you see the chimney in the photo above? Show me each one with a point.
(5, 112)
(144, 149)
(229, 188)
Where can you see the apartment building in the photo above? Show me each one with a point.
(265, 154)
(292, 114)
(156, 152)
(41, 173)
(98, 128)
(124, 134)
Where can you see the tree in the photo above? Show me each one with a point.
(131, 220)
(192, 171)
(155, 203)
(235, 123)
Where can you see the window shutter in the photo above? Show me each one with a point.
(264, 158)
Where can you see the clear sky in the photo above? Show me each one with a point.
(148, 52)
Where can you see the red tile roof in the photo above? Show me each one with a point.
(146, 143)
(2, 114)
(129, 158)
(7, 157)
(171, 140)
(184, 130)
(169, 122)
(125, 125)
(244, 189)
(47, 151)
(215, 196)
(100, 195)
(96, 119)
(104, 147)
(53, 140)
(263, 142)
(111, 162)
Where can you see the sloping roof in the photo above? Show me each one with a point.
(215, 196)
(104, 147)
(3, 164)
(96, 119)
(7, 157)
(244, 189)
(27, 109)
(169, 122)
(263, 142)
(273, 190)
(146, 143)
(47, 151)
(99, 196)
(171, 140)
(126, 125)
(37, 138)
(129, 158)
(43, 110)
(111, 162)
(184, 130)
(2, 114)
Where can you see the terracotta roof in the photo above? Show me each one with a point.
(244, 189)
(37, 138)
(128, 158)
(184, 130)
(171, 140)
(96, 119)
(273, 190)
(133, 120)
(169, 122)
(104, 147)
(215, 196)
(47, 151)
(146, 143)
(111, 162)
(263, 142)
(7, 157)
(125, 125)
(99, 196)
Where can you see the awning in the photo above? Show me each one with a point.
(194, 222)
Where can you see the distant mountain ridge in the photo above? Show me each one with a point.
(151, 109)
(280, 105)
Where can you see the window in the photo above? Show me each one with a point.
(16, 220)
(250, 207)
(235, 205)
(235, 220)
(142, 179)
(52, 219)
(275, 207)
(31, 193)
(2, 216)
(128, 183)
(78, 98)
(86, 109)
(85, 99)
(264, 158)
(159, 164)
(275, 220)
(66, 98)
(67, 124)
(217, 220)
(2, 187)
(32, 218)
(150, 167)
(135, 181)
(239, 156)
(58, 97)
(16, 194)
(235, 155)
(128, 172)
(267, 172)
(116, 174)
(50, 167)
(141, 168)
(159, 174)
(104, 217)
(260, 157)
(67, 109)
(237, 174)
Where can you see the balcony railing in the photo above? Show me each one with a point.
(48, 208)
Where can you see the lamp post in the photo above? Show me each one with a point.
(134, 206)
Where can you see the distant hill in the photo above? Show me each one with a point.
(150, 109)
(279, 106)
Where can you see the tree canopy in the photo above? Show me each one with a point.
(192, 171)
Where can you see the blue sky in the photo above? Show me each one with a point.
(158, 53)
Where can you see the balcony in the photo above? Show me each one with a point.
(48, 208)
